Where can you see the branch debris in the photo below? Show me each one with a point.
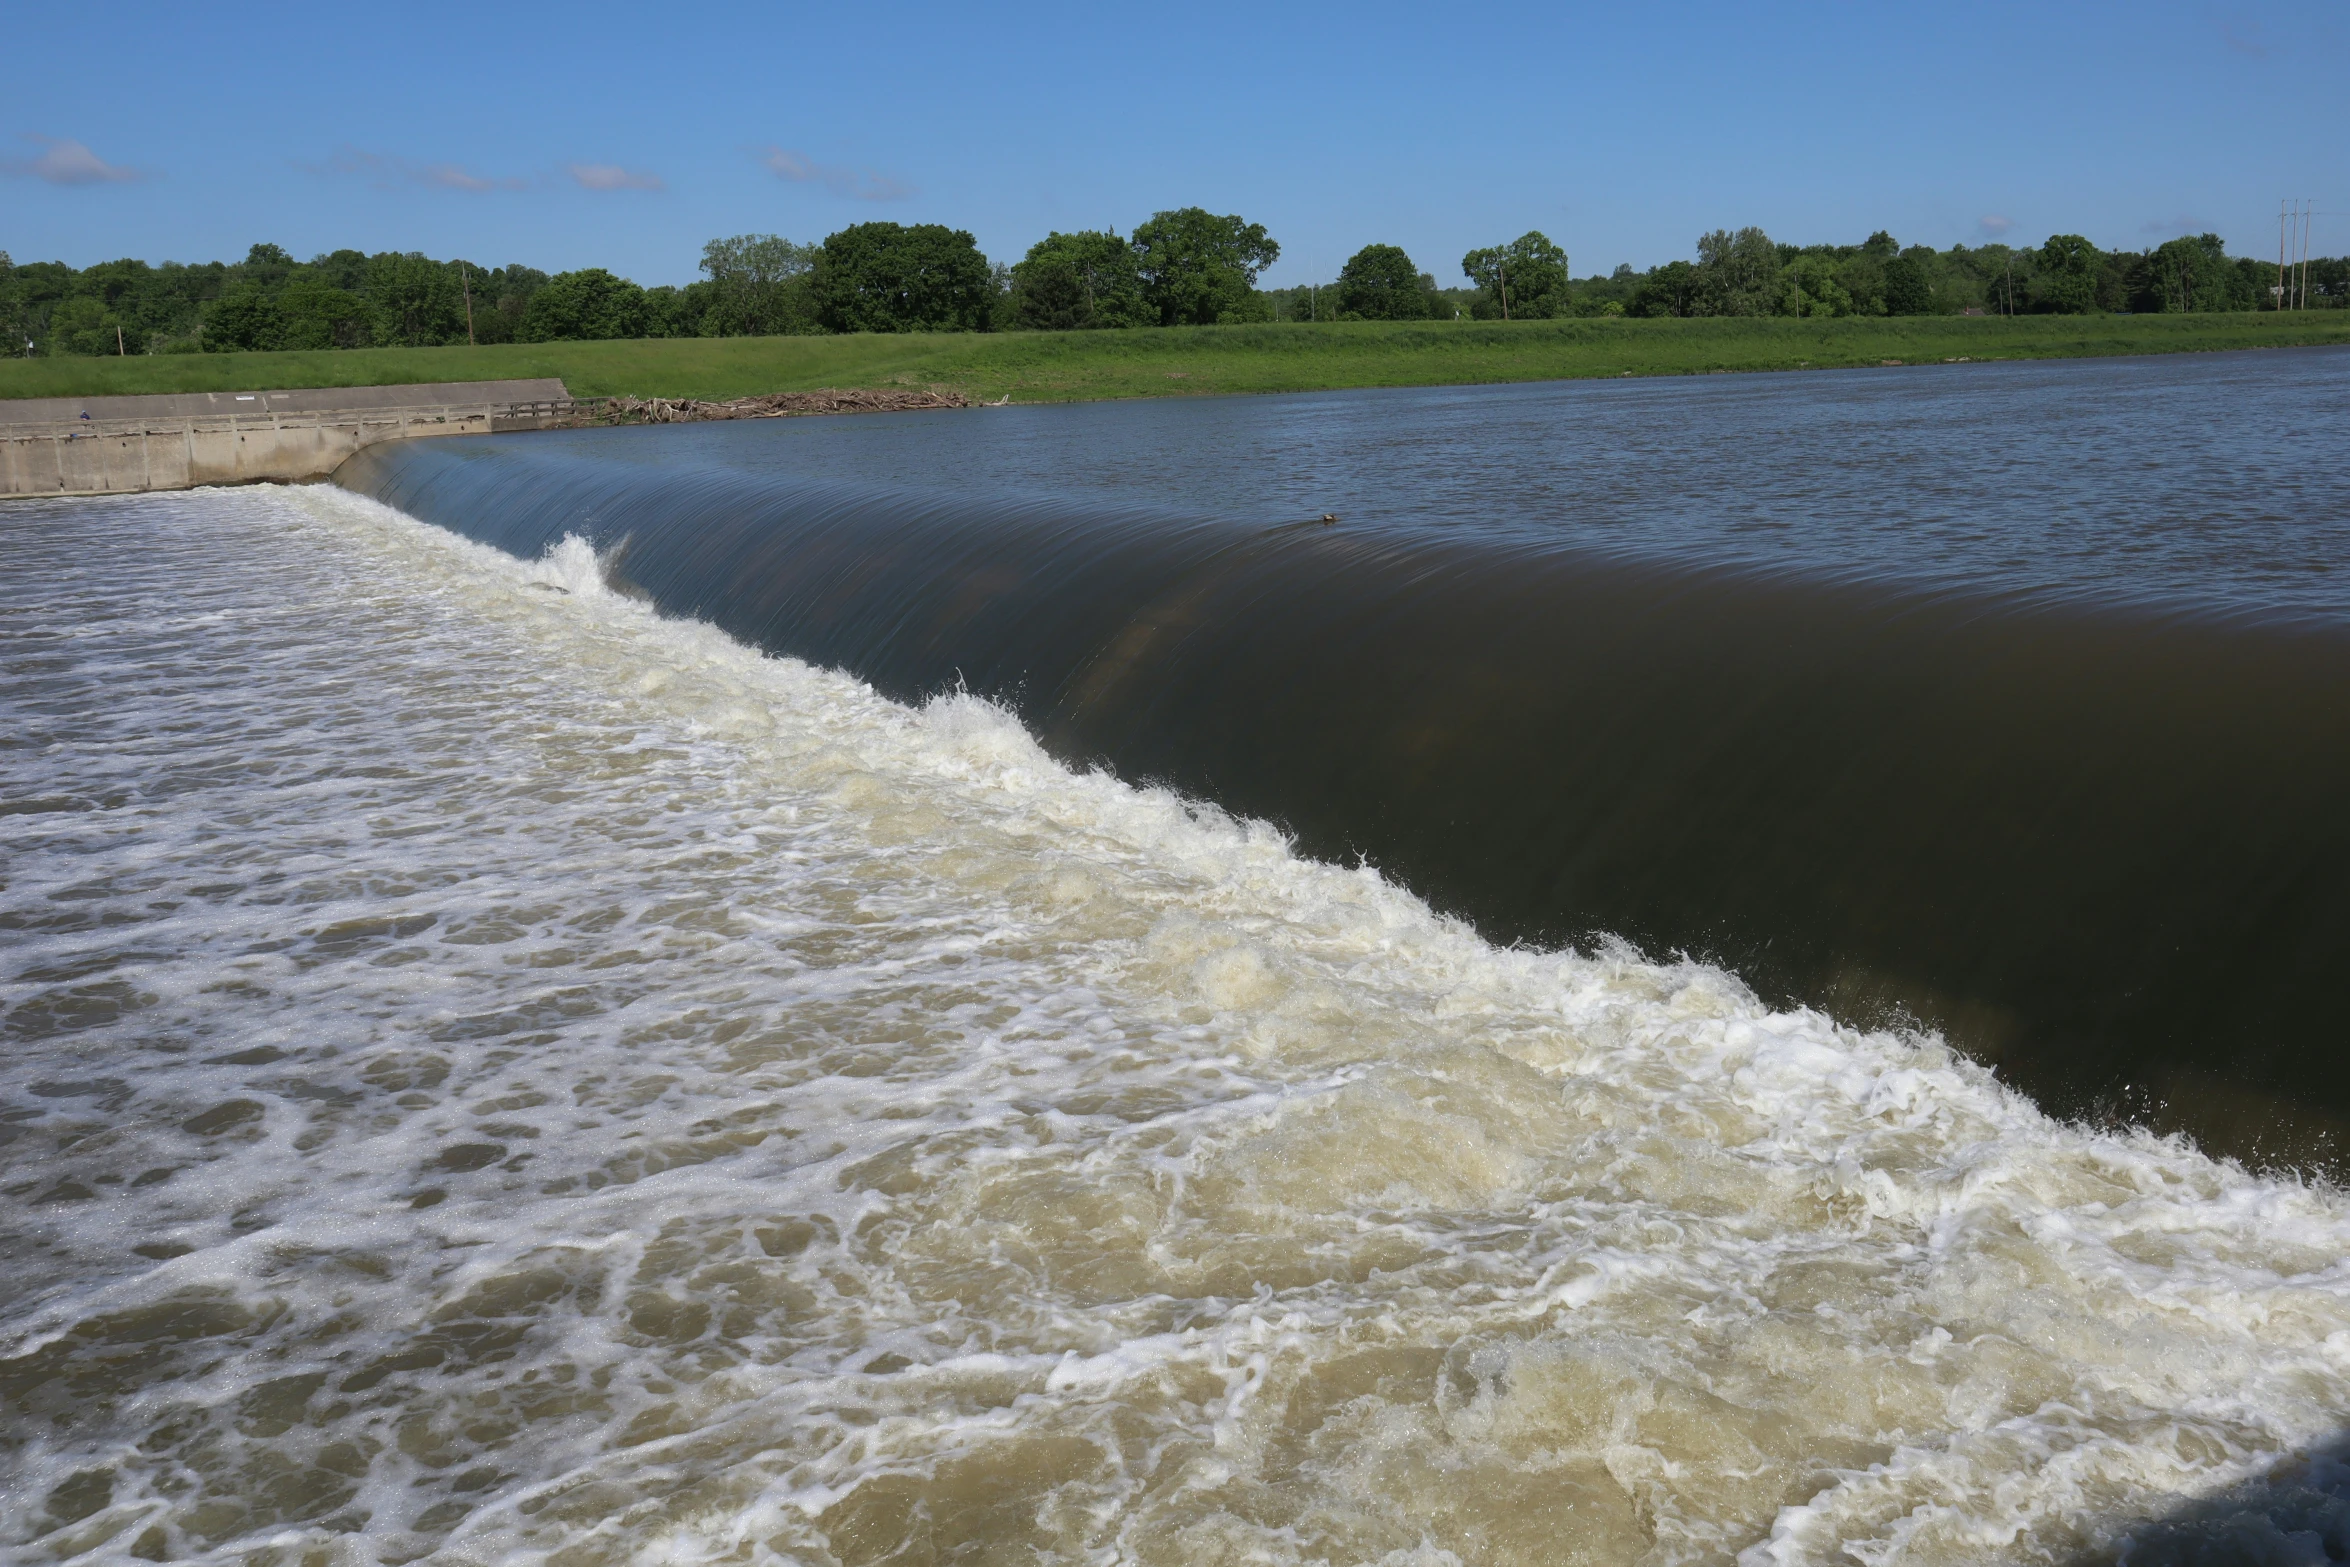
(776, 405)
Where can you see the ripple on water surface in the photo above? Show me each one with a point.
(493, 1075)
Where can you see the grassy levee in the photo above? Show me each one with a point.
(1066, 366)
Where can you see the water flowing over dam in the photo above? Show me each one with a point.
(2098, 843)
(985, 987)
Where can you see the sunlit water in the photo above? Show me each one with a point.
(2185, 480)
(494, 1076)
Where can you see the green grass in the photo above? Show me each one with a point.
(1051, 367)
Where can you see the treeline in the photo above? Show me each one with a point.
(1181, 267)
(1746, 274)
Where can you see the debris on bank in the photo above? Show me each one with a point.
(775, 405)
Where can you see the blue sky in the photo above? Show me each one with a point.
(625, 136)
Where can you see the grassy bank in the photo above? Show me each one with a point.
(1047, 367)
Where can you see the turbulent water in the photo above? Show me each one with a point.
(2039, 773)
(494, 1075)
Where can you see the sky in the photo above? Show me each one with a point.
(626, 136)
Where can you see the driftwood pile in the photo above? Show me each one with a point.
(777, 405)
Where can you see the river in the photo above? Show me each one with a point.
(953, 987)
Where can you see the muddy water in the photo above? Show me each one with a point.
(492, 1075)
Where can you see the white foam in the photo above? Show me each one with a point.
(899, 1138)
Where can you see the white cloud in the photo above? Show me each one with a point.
(859, 184)
(611, 176)
(385, 172)
(64, 162)
(1994, 225)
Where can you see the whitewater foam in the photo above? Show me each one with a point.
(495, 1075)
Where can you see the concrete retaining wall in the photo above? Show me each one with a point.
(117, 451)
(294, 400)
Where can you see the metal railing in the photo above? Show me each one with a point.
(304, 419)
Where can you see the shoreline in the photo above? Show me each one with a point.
(1193, 361)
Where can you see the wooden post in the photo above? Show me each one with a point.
(465, 277)
(120, 352)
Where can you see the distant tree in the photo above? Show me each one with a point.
(1881, 246)
(1909, 288)
(679, 312)
(83, 325)
(1862, 278)
(1198, 268)
(1088, 279)
(890, 277)
(1524, 280)
(2189, 274)
(1379, 283)
(1809, 287)
(243, 319)
(513, 287)
(313, 313)
(2065, 277)
(585, 305)
(1738, 274)
(343, 269)
(1669, 290)
(414, 302)
(266, 265)
(759, 287)
(2329, 282)
(15, 336)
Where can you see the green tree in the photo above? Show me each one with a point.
(1809, 287)
(2188, 274)
(15, 324)
(1198, 268)
(512, 288)
(415, 302)
(1379, 283)
(313, 313)
(343, 269)
(1066, 282)
(1862, 277)
(83, 325)
(2065, 275)
(243, 319)
(890, 277)
(1524, 280)
(680, 312)
(1737, 274)
(267, 266)
(1669, 290)
(585, 305)
(758, 287)
(1909, 287)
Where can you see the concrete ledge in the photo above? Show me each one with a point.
(301, 399)
(104, 449)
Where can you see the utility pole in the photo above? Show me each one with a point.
(465, 276)
(2278, 292)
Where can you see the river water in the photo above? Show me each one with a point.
(494, 1072)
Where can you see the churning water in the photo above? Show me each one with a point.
(493, 1073)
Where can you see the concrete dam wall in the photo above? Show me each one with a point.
(122, 445)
